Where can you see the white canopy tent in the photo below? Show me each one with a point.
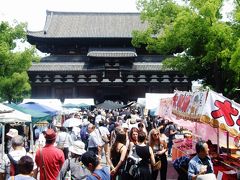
(9, 115)
(88, 101)
(141, 101)
(153, 99)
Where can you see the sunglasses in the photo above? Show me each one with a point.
(156, 134)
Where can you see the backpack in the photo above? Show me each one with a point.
(181, 165)
(167, 130)
(132, 164)
(67, 174)
(84, 133)
(14, 170)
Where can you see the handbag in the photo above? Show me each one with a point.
(104, 138)
(157, 165)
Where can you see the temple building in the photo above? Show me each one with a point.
(90, 55)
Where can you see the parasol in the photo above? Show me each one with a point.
(72, 122)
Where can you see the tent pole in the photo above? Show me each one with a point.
(218, 140)
(3, 137)
(31, 137)
(228, 150)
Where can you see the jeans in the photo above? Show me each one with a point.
(170, 143)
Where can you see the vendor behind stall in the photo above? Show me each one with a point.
(200, 164)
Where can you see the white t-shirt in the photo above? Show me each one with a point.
(98, 118)
(16, 155)
(41, 140)
(64, 139)
(104, 130)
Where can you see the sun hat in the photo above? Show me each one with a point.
(12, 133)
(78, 147)
(133, 121)
(50, 134)
(125, 125)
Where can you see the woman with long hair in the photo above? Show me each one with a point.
(133, 139)
(145, 152)
(158, 143)
(118, 155)
(133, 135)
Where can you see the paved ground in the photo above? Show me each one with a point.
(171, 174)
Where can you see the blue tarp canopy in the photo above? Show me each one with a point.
(36, 116)
(39, 107)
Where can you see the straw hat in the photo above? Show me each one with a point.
(78, 147)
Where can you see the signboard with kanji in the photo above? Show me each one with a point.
(222, 112)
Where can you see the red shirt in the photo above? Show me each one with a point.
(53, 160)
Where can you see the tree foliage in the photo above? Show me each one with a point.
(202, 45)
(14, 81)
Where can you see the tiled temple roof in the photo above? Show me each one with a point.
(89, 25)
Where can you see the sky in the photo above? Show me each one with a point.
(34, 11)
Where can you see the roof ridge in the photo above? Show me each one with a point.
(75, 12)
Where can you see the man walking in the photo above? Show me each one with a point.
(49, 158)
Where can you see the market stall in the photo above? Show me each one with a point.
(211, 117)
(11, 116)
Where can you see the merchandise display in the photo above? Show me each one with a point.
(226, 166)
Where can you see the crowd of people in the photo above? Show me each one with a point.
(99, 149)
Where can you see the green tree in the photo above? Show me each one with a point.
(14, 81)
(201, 45)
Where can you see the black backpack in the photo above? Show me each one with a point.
(132, 164)
(14, 169)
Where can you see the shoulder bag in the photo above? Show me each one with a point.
(104, 138)
(43, 165)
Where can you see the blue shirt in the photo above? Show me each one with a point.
(195, 165)
(103, 173)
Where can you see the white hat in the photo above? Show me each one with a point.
(78, 147)
(12, 132)
(133, 121)
(125, 125)
(85, 122)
